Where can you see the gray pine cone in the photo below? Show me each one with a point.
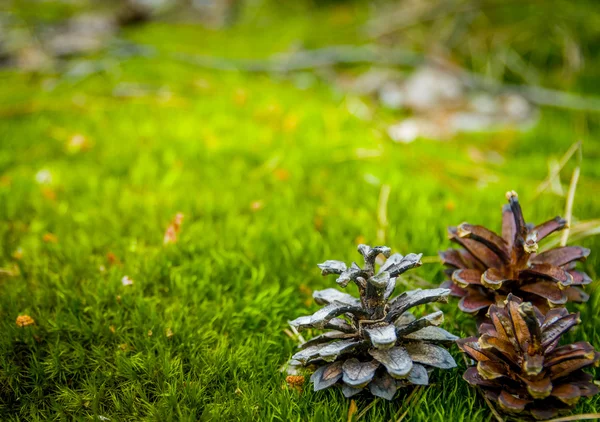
(373, 341)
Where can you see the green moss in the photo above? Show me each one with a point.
(211, 145)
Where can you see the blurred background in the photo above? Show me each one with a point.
(417, 68)
(172, 171)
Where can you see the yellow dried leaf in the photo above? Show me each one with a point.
(172, 232)
(50, 238)
(24, 321)
(77, 143)
(352, 410)
(256, 205)
(113, 259)
(240, 97)
(294, 380)
(18, 254)
(49, 193)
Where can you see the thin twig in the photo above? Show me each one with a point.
(582, 417)
(569, 207)
(375, 55)
(384, 196)
(556, 171)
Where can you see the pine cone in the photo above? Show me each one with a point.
(373, 341)
(491, 266)
(520, 365)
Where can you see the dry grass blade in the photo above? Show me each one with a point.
(296, 334)
(493, 410)
(414, 396)
(352, 410)
(582, 417)
(553, 174)
(384, 196)
(564, 238)
(366, 409)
